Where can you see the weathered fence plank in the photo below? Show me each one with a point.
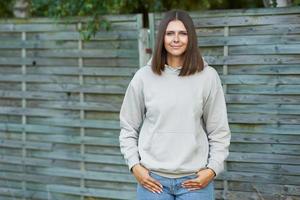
(256, 53)
(60, 98)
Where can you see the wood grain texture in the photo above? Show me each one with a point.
(60, 98)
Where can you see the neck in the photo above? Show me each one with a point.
(175, 61)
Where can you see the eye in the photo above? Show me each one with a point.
(169, 33)
(183, 33)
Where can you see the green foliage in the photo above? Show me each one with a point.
(79, 8)
(6, 8)
(94, 9)
(296, 2)
(59, 8)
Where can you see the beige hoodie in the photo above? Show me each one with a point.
(175, 125)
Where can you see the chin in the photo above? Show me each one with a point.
(176, 54)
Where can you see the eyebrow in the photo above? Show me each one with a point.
(176, 31)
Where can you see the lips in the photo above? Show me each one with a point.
(176, 47)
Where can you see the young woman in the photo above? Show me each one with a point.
(174, 128)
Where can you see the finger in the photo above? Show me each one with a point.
(156, 183)
(149, 188)
(152, 189)
(199, 186)
(194, 184)
(190, 181)
(192, 189)
(153, 186)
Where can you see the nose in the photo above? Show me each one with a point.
(176, 38)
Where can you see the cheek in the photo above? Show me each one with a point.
(185, 40)
(167, 40)
(167, 43)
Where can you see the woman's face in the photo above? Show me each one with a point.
(176, 39)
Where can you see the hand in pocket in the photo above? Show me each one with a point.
(205, 176)
(142, 176)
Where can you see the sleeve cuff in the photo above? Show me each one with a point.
(218, 168)
(132, 161)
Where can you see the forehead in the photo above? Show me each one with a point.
(176, 25)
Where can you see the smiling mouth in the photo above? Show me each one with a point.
(176, 47)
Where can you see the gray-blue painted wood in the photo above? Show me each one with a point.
(256, 53)
(60, 98)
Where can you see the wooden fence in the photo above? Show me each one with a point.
(257, 55)
(60, 99)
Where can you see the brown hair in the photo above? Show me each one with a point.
(192, 58)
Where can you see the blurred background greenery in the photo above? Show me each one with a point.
(97, 8)
(59, 8)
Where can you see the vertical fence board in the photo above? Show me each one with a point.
(243, 45)
(68, 95)
(60, 97)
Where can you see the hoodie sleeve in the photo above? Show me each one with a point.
(215, 118)
(131, 118)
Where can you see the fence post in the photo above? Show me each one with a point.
(143, 42)
(152, 30)
(82, 112)
(24, 115)
(144, 56)
(225, 72)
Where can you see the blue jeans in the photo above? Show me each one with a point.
(172, 190)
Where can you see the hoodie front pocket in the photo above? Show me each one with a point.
(173, 147)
